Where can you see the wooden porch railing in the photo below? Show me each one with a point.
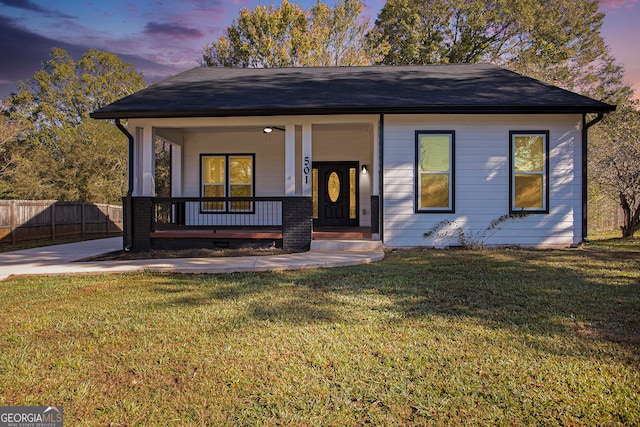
(211, 213)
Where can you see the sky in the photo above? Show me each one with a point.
(164, 37)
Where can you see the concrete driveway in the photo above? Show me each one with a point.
(63, 259)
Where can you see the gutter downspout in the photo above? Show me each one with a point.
(585, 185)
(128, 200)
(381, 178)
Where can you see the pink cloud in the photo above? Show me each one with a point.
(617, 4)
(132, 8)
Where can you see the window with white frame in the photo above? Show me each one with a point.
(529, 164)
(227, 175)
(435, 179)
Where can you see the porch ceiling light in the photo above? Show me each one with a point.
(269, 129)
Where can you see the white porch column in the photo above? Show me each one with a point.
(290, 160)
(375, 170)
(176, 170)
(307, 144)
(144, 174)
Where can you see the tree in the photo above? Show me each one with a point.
(288, 36)
(263, 37)
(557, 41)
(338, 36)
(616, 162)
(59, 152)
(445, 31)
(9, 129)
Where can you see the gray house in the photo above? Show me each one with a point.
(377, 153)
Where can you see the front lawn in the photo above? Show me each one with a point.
(435, 337)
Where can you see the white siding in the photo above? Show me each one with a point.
(268, 170)
(268, 150)
(482, 180)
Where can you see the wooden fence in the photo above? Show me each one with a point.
(22, 220)
(605, 216)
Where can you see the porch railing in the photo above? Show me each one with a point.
(203, 213)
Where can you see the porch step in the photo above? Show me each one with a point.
(345, 245)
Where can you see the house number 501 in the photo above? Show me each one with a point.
(306, 169)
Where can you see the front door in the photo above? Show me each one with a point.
(335, 194)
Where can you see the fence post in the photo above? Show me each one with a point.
(83, 227)
(106, 218)
(53, 220)
(13, 222)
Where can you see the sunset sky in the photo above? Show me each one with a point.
(164, 37)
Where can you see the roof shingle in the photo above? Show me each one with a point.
(455, 88)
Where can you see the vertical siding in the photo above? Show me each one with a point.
(482, 180)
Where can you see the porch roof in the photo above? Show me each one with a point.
(455, 88)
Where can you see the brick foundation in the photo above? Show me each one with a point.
(297, 224)
(375, 214)
(142, 218)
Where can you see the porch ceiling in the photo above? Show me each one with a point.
(325, 127)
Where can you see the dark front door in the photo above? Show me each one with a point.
(336, 193)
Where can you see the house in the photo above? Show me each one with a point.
(384, 153)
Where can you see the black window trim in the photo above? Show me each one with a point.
(227, 210)
(545, 189)
(452, 183)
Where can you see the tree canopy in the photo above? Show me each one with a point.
(288, 36)
(557, 41)
(58, 152)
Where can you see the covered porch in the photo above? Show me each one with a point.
(235, 184)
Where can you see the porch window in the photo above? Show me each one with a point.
(529, 165)
(435, 153)
(227, 175)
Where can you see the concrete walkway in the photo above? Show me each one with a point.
(62, 259)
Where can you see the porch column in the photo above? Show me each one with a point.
(176, 170)
(375, 172)
(144, 177)
(290, 160)
(307, 159)
(375, 183)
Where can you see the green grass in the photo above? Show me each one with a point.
(504, 337)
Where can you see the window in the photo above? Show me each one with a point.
(435, 181)
(529, 165)
(227, 175)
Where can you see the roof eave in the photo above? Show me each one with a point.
(446, 109)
